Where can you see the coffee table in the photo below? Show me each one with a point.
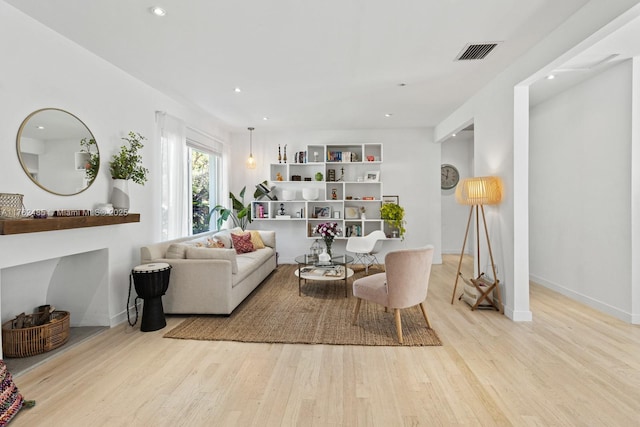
(310, 269)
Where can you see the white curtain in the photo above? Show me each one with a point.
(175, 194)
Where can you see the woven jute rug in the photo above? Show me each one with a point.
(274, 313)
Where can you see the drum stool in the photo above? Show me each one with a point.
(151, 282)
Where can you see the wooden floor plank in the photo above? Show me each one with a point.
(571, 365)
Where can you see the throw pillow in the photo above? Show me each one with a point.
(256, 239)
(222, 254)
(176, 251)
(242, 243)
(212, 242)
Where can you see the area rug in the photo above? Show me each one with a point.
(275, 313)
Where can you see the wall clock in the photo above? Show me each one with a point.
(449, 176)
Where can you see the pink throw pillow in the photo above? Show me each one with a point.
(242, 243)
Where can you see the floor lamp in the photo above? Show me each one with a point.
(477, 192)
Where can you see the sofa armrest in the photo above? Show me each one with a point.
(268, 238)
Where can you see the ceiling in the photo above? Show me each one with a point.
(333, 64)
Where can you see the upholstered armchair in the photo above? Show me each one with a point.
(404, 284)
(365, 248)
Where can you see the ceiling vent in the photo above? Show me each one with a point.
(475, 51)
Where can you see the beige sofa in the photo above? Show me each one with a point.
(207, 280)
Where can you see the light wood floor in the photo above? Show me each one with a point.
(571, 366)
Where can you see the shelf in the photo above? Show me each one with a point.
(31, 225)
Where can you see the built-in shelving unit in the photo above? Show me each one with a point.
(347, 179)
(31, 225)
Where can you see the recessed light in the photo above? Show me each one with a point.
(237, 90)
(453, 135)
(40, 127)
(551, 77)
(265, 118)
(158, 11)
(388, 115)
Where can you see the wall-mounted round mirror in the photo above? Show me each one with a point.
(58, 152)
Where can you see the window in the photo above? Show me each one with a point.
(204, 181)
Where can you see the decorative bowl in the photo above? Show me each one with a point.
(288, 195)
(310, 193)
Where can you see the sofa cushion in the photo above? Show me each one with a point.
(177, 251)
(214, 253)
(242, 243)
(249, 262)
(256, 239)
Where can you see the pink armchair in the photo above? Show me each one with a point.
(403, 285)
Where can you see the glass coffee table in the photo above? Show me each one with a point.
(310, 269)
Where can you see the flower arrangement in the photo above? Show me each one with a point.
(328, 231)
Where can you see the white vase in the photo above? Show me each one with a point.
(120, 196)
(324, 257)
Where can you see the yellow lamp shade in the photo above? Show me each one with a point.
(484, 190)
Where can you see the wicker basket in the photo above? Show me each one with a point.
(26, 342)
(11, 205)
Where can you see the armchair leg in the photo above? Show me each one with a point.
(398, 324)
(356, 311)
(424, 313)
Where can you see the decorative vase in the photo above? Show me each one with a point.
(328, 242)
(324, 257)
(120, 196)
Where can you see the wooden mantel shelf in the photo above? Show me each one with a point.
(30, 225)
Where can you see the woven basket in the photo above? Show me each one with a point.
(26, 342)
(11, 205)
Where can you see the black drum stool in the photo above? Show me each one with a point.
(151, 282)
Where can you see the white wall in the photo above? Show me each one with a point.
(580, 191)
(410, 169)
(47, 70)
(492, 112)
(457, 151)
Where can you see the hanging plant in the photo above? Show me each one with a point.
(127, 164)
(393, 215)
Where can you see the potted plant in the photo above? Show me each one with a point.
(239, 213)
(124, 166)
(393, 214)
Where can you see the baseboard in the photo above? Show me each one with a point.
(122, 316)
(587, 300)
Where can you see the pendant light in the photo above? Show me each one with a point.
(251, 162)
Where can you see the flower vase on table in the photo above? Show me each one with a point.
(328, 231)
(328, 242)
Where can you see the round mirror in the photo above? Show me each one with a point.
(58, 152)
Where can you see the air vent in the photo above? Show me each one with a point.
(475, 51)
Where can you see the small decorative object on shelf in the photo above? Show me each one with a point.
(363, 211)
(281, 211)
(279, 177)
(40, 214)
(315, 156)
(319, 176)
(331, 175)
(334, 194)
(284, 158)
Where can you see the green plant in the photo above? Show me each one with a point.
(239, 213)
(127, 164)
(93, 164)
(393, 214)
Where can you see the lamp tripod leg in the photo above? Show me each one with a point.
(464, 244)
